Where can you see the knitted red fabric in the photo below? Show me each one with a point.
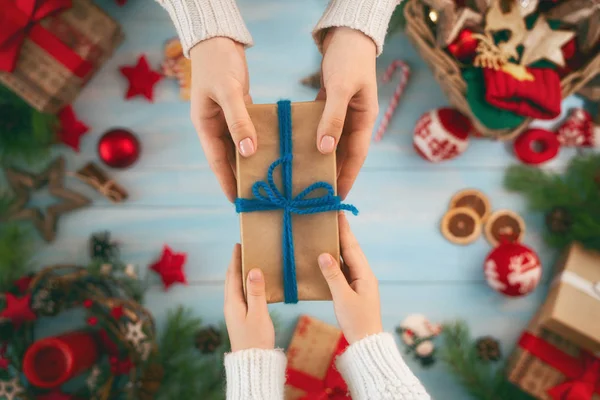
(539, 98)
(547, 141)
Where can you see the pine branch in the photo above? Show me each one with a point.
(15, 250)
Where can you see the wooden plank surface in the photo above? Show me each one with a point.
(175, 199)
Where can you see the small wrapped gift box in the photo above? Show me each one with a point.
(550, 367)
(287, 201)
(572, 308)
(311, 372)
(49, 49)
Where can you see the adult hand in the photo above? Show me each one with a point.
(248, 323)
(349, 88)
(220, 92)
(356, 294)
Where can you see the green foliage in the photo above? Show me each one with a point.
(577, 191)
(483, 380)
(188, 373)
(25, 133)
(398, 21)
(15, 250)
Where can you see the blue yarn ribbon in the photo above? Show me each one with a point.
(268, 197)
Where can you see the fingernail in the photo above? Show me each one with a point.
(255, 275)
(324, 260)
(327, 144)
(247, 147)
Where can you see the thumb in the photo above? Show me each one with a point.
(332, 122)
(333, 275)
(238, 122)
(255, 289)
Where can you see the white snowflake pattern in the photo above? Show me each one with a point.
(10, 389)
(491, 275)
(525, 271)
(571, 135)
(134, 333)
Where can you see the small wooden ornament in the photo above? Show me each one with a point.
(504, 225)
(24, 183)
(473, 199)
(94, 176)
(461, 225)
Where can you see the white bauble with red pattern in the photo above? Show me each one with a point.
(579, 130)
(513, 269)
(442, 134)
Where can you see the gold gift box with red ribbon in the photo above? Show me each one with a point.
(49, 49)
(550, 367)
(311, 371)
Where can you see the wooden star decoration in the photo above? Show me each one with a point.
(582, 14)
(23, 183)
(544, 43)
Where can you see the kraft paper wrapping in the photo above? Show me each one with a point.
(44, 82)
(569, 311)
(261, 232)
(530, 373)
(311, 350)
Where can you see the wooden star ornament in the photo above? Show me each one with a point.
(170, 267)
(544, 43)
(141, 79)
(23, 183)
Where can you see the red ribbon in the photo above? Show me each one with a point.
(583, 374)
(332, 387)
(20, 19)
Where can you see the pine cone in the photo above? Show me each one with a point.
(208, 340)
(559, 220)
(488, 349)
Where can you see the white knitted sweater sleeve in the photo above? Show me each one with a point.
(198, 20)
(374, 370)
(255, 374)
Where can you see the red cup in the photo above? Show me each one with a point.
(52, 361)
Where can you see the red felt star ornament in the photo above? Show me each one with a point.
(4, 363)
(141, 79)
(170, 267)
(55, 395)
(71, 129)
(18, 309)
(22, 283)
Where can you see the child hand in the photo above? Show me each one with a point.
(249, 324)
(349, 88)
(220, 92)
(356, 295)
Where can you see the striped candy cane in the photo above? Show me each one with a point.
(405, 73)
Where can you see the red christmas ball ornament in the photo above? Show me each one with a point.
(464, 47)
(119, 148)
(442, 134)
(513, 269)
(536, 146)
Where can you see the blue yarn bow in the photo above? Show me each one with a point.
(268, 197)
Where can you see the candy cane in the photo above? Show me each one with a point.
(405, 71)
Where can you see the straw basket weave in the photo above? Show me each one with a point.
(447, 70)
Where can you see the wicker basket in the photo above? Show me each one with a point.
(447, 70)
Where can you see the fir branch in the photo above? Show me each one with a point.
(15, 250)
(25, 133)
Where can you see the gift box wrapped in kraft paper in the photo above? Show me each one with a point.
(311, 371)
(550, 367)
(287, 202)
(572, 308)
(49, 49)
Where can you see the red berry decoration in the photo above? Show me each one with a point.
(88, 303)
(92, 321)
(119, 148)
(513, 269)
(442, 134)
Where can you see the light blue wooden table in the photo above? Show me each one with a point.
(175, 199)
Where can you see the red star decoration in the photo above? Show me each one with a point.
(22, 283)
(54, 395)
(170, 267)
(71, 129)
(117, 312)
(4, 363)
(18, 310)
(141, 79)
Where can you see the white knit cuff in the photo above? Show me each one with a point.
(255, 374)
(371, 17)
(198, 20)
(374, 369)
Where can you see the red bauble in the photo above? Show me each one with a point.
(442, 134)
(119, 148)
(536, 146)
(513, 269)
(464, 47)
